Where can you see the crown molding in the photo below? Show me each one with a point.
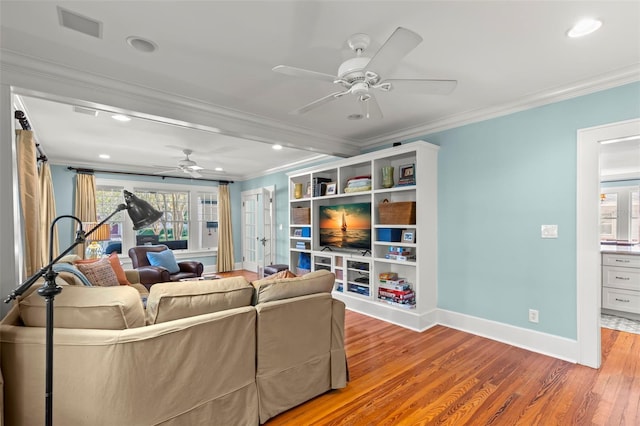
(36, 77)
(610, 80)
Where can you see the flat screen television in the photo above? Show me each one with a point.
(345, 226)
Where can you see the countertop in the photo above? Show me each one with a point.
(618, 249)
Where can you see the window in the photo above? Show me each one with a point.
(173, 227)
(188, 222)
(620, 214)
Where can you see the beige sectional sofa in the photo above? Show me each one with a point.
(220, 352)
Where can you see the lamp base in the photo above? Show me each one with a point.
(93, 251)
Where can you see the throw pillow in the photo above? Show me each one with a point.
(99, 273)
(165, 259)
(117, 268)
(282, 274)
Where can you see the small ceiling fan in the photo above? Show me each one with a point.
(186, 165)
(363, 75)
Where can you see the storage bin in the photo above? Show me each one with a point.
(399, 213)
(301, 216)
(389, 234)
(306, 232)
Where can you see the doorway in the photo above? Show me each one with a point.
(588, 273)
(258, 232)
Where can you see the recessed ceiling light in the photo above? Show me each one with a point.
(141, 44)
(120, 117)
(218, 169)
(277, 147)
(104, 156)
(584, 27)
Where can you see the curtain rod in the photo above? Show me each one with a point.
(91, 171)
(22, 119)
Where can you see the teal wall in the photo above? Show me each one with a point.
(498, 181)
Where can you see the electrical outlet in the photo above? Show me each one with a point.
(533, 315)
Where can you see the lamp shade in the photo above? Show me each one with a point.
(102, 233)
(140, 212)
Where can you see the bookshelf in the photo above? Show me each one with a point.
(406, 249)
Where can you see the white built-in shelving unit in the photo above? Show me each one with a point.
(357, 272)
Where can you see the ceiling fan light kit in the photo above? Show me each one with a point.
(186, 165)
(361, 76)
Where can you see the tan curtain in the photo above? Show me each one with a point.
(29, 199)
(48, 214)
(85, 202)
(225, 239)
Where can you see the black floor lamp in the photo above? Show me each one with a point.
(141, 214)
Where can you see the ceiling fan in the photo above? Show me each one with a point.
(363, 75)
(186, 165)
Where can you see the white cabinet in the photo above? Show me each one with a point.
(621, 282)
(394, 245)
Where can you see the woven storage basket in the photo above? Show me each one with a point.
(400, 213)
(301, 216)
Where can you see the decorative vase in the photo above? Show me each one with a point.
(297, 190)
(387, 176)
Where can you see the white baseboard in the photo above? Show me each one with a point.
(531, 340)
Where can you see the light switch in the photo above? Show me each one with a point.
(549, 231)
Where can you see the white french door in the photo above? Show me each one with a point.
(258, 232)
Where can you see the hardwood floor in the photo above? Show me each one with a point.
(447, 377)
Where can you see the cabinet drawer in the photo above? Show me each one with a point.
(629, 261)
(627, 278)
(621, 300)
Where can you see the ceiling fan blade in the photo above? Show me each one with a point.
(370, 108)
(422, 86)
(317, 103)
(302, 73)
(166, 171)
(397, 46)
(193, 173)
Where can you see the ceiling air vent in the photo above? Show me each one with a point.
(84, 110)
(79, 23)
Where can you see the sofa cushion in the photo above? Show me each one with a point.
(106, 308)
(99, 273)
(170, 301)
(284, 288)
(165, 259)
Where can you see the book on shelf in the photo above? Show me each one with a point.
(394, 285)
(360, 289)
(411, 305)
(397, 281)
(408, 295)
(398, 257)
(388, 276)
(320, 186)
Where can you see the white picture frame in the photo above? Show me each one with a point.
(408, 236)
(331, 188)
